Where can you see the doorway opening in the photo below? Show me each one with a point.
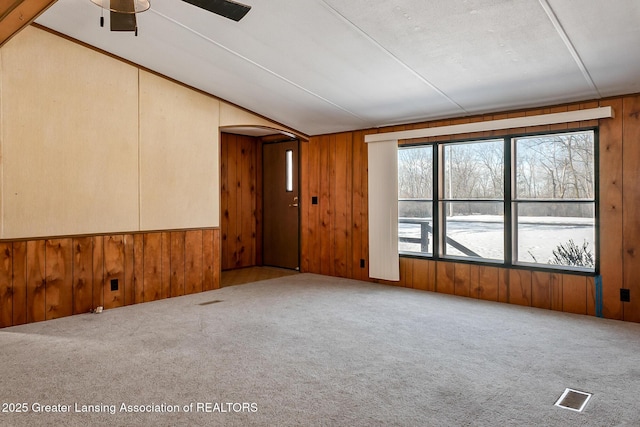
(256, 230)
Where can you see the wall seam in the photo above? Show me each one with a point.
(1, 153)
(139, 158)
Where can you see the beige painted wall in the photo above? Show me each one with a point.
(69, 139)
(179, 152)
(90, 144)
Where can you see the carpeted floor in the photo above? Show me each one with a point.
(309, 350)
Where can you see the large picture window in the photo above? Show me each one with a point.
(517, 200)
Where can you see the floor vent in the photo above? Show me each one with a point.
(573, 400)
(210, 302)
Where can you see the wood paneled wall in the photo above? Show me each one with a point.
(335, 234)
(50, 278)
(241, 201)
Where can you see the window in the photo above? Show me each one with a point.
(415, 199)
(473, 203)
(554, 203)
(518, 200)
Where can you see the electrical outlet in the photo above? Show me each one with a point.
(361, 263)
(314, 200)
(625, 295)
(114, 285)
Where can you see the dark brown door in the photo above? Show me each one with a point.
(280, 205)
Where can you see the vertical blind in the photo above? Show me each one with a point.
(384, 261)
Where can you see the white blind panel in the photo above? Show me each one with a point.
(384, 262)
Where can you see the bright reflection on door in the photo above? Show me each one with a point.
(289, 171)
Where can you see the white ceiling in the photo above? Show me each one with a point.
(323, 66)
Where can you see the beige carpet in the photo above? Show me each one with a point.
(308, 350)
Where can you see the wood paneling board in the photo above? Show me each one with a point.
(259, 203)
(431, 276)
(324, 230)
(462, 280)
(59, 278)
(114, 265)
(610, 173)
(342, 205)
(591, 296)
(574, 294)
(207, 260)
(19, 283)
(177, 263)
(445, 277)
(420, 274)
(365, 210)
(193, 261)
(406, 272)
(138, 268)
(238, 188)
(541, 289)
(358, 215)
(216, 258)
(631, 205)
(488, 283)
(555, 281)
(474, 280)
(520, 287)
(166, 264)
(152, 279)
(98, 271)
(36, 289)
(248, 251)
(129, 270)
(305, 203)
(503, 285)
(224, 196)
(230, 256)
(314, 230)
(6, 284)
(82, 274)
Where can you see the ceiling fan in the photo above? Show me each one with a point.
(123, 12)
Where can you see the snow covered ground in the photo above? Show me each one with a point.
(484, 234)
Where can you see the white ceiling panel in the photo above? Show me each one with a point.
(324, 66)
(606, 35)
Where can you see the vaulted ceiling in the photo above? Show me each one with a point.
(323, 66)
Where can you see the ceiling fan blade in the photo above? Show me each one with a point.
(227, 8)
(125, 20)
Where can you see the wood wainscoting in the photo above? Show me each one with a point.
(570, 293)
(44, 279)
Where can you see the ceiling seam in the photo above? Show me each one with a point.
(392, 56)
(567, 42)
(262, 67)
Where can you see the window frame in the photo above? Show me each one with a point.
(509, 200)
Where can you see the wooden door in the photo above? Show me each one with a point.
(280, 205)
